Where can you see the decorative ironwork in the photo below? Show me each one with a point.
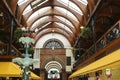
(111, 35)
(53, 43)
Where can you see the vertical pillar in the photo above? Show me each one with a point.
(11, 34)
(42, 74)
(36, 56)
(94, 34)
(64, 75)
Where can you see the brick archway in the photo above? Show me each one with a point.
(48, 55)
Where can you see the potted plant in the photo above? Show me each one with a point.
(18, 33)
(85, 32)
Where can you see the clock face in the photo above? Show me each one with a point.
(53, 43)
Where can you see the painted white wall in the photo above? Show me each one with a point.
(69, 54)
(63, 39)
(36, 56)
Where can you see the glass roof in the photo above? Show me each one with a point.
(27, 9)
(21, 1)
(64, 32)
(71, 5)
(83, 2)
(67, 3)
(65, 20)
(63, 26)
(38, 12)
(45, 25)
(67, 13)
(37, 3)
(39, 21)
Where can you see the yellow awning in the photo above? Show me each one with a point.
(110, 60)
(9, 69)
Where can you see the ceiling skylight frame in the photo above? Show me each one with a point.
(67, 13)
(39, 21)
(71, 5)
(39, 3)
(41, 27)
(83, 2)
(20, 2)
(65, 20)
(27, 9)
(38, 12)
(63, 26)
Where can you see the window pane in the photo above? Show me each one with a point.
(68, 61)
(37, 13)
(63, 26)
(39, 21)
(27, 9)
(71, 5)
(65, 20)
(67, 13)
(37, 3)
(83, 2)
(21, 1)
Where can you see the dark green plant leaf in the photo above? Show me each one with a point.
(86, 32)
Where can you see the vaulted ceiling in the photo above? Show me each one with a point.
(61, 16)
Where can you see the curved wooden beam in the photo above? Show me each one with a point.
(48, 31)
(53, 19)
(55, 26)
(56, 3)
(29, 23)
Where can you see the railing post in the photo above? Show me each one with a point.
(93, 33)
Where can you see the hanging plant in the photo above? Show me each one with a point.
(73, 51)
(18, 33)
(85, 32)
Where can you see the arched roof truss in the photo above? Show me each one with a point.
(64, 16)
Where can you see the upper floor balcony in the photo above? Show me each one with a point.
(5, 55)
(101, 47)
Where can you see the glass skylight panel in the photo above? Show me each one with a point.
(65, 20)
(37, 13)
(63, 32)
(75, 7)
(63, 26)
(41, 27)
(71, 5)
(37, 3)
(83, 2)
(67, 13)
(39, 21)
(21, 1)
(44, 29)
(27, 9)
(45, 25)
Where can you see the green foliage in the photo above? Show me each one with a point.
(18, 33)
(85, 32)
(74, 51)
(31, 50)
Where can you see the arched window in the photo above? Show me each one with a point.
(53, 43)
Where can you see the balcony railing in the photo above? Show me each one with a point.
(112, 34)
(4, 51)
